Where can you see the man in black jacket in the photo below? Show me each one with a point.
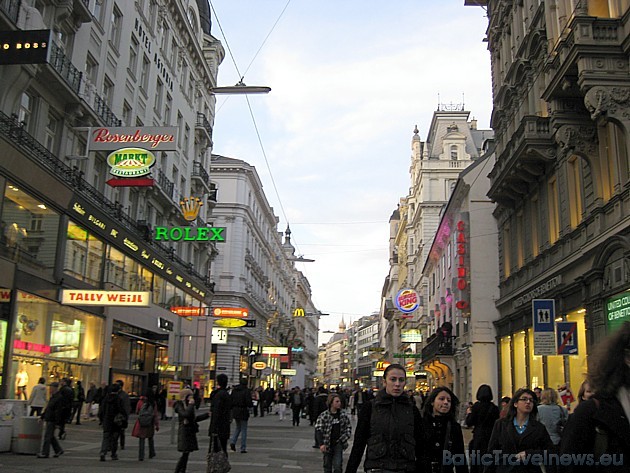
(52, 416)
(296, 401)
(221, 407)
(67, 395)
(241, 402)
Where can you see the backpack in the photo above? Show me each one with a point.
(145, 415)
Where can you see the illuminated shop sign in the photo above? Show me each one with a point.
(463, 302)
(617, 310)
(259, 365)
(275, 350)
(190, 234)
(189, 311)
(130, 162)
(288, 372)
(95, 222)
(105, 298)
(5, 295)
(407, 300)
(152, 138)
(411, 336)
(24, 47)
(190, 208)
(299, 312)
(230, 312)
(230, 323)
(33, 347)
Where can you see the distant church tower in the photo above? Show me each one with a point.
(342, 326)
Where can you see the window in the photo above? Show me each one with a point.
(153, 9)
(116, 26)
(574, 176)
(173, 52)
(520, 239)
(535, 225)
(99, 8)
(133, 55)
(25, 112)
(159, 92)
(52, 131)
(180, 121)
(507, 251)
(607, 8)
(108, 91)
(167, 109)
(91, 68)
(165, 37)
(554, 212)
(186, 139)
(144, 75)
(454, 153)
(192, 19)
(84, 254)
(616, 154)
(127, 114)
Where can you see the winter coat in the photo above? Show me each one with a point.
(91, 394)
(535, 440)
(324, 425)
(241, 398)
(382, 424)
(108, 409)
(434, 438)
(597, 426)
(146, 432)
(221, 407)
(126, 403)
(482, 417)
(549, 415)
(38, 396)
(67, 396)
(54, 410)
(188, 426)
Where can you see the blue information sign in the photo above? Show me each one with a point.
(544, 314)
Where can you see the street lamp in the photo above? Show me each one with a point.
(240, 88)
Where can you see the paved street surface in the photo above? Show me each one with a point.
(272, 445)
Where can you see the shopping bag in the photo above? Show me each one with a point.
(217, 458)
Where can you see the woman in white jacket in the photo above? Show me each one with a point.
(37, 399)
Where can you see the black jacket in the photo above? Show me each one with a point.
(390, 427)
(188, 426)
(482, 417)
(241, 398)
(55, 410)
(221, 407)
(599, 420)
(434, 430)
(535, 440)
(108, 409)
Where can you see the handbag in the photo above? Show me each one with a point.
(120, 421)
(561, 422)
(217, 458)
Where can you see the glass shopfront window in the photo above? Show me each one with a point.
(54, 341)
(536, 377)
(520, 373)
(84, 255)
(577, 363)
(28, 230)
(506, 367)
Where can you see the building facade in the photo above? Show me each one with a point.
(561, 179)
(108, 64)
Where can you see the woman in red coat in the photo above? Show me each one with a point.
(147, 423)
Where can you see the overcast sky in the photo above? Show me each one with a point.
(350, 79)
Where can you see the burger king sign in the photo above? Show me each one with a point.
(407, 300)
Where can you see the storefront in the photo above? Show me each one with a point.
(53, 341)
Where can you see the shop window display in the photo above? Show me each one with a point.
(53, 341)
(28, 230)
(84, 254)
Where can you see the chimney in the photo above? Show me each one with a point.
(473, 124)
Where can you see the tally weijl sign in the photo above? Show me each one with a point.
(152, 138)
(105, 298)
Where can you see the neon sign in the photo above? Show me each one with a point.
(189, 234)
(462, 303)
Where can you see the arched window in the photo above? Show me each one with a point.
(192, 19)
(454, 153)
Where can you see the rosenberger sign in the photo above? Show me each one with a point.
(153, 138)
(102, 298)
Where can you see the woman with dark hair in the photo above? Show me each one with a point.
(442, 433)
(600, 424)
(519, 436)
(390, 426)
(481, 417)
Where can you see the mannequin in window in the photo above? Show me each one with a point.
(21, 381)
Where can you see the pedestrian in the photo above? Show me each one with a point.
(599, 425)
(188, 427)
(221, 408)
(77, 402)
(332, 433)
(67, 397)
(319, 406)
(504, 407)
(90, 396)
(37, 399)
(552, 416)
(441, 432)
(481, 417)
(52, 416)
(390, 426)
(585, 392)
(161, 400)
(255, 401)
(113, 418)
(281, 402)
(147, 423)
(124, 397)
(296, 401)
(241, 399)
(520, 438)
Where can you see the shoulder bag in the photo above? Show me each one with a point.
(217, 458)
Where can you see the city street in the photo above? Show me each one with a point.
(271, 444)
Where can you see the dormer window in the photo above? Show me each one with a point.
(454, 153)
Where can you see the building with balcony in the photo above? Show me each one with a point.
(110, 63)
(561, 179)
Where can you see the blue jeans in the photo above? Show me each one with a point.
(333, 459)
(241, 428)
